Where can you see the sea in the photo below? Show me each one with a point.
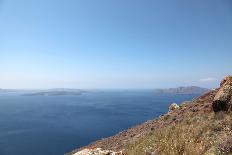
(55, 125)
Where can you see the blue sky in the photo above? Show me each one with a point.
(114, 43)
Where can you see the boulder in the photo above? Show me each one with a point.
(97, 151)
(173, 106)
(223, 98)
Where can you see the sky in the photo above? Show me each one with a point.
(114, 44)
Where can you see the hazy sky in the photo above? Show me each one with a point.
(114, 43)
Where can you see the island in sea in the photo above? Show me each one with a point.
(183, 90)
(56, 92)
(77, 92)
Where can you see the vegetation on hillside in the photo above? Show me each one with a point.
(197, 131)
(199, 127)
(195, 135)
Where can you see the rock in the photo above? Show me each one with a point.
(173, 106)
(223, 98)
(173, 118)
(97, 151)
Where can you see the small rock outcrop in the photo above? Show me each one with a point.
(173, 106)
(223, 99)
(97, 151)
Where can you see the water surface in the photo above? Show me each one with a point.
(54, 125)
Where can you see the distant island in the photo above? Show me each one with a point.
(8, 90)
(56, 92)
(77, 92)
(183, 90)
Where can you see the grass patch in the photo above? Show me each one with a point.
(195, 135)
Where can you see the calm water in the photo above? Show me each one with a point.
(54, 125)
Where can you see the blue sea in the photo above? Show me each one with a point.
(54, 125)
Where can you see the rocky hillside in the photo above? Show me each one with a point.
(200, 127)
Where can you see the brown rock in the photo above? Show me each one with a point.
(223, 100)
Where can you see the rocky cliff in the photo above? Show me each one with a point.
(200, 127)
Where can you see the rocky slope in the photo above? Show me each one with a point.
(200, 127)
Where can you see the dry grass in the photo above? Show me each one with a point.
(195, 135)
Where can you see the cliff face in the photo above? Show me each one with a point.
(223, 98)
(200, 127)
